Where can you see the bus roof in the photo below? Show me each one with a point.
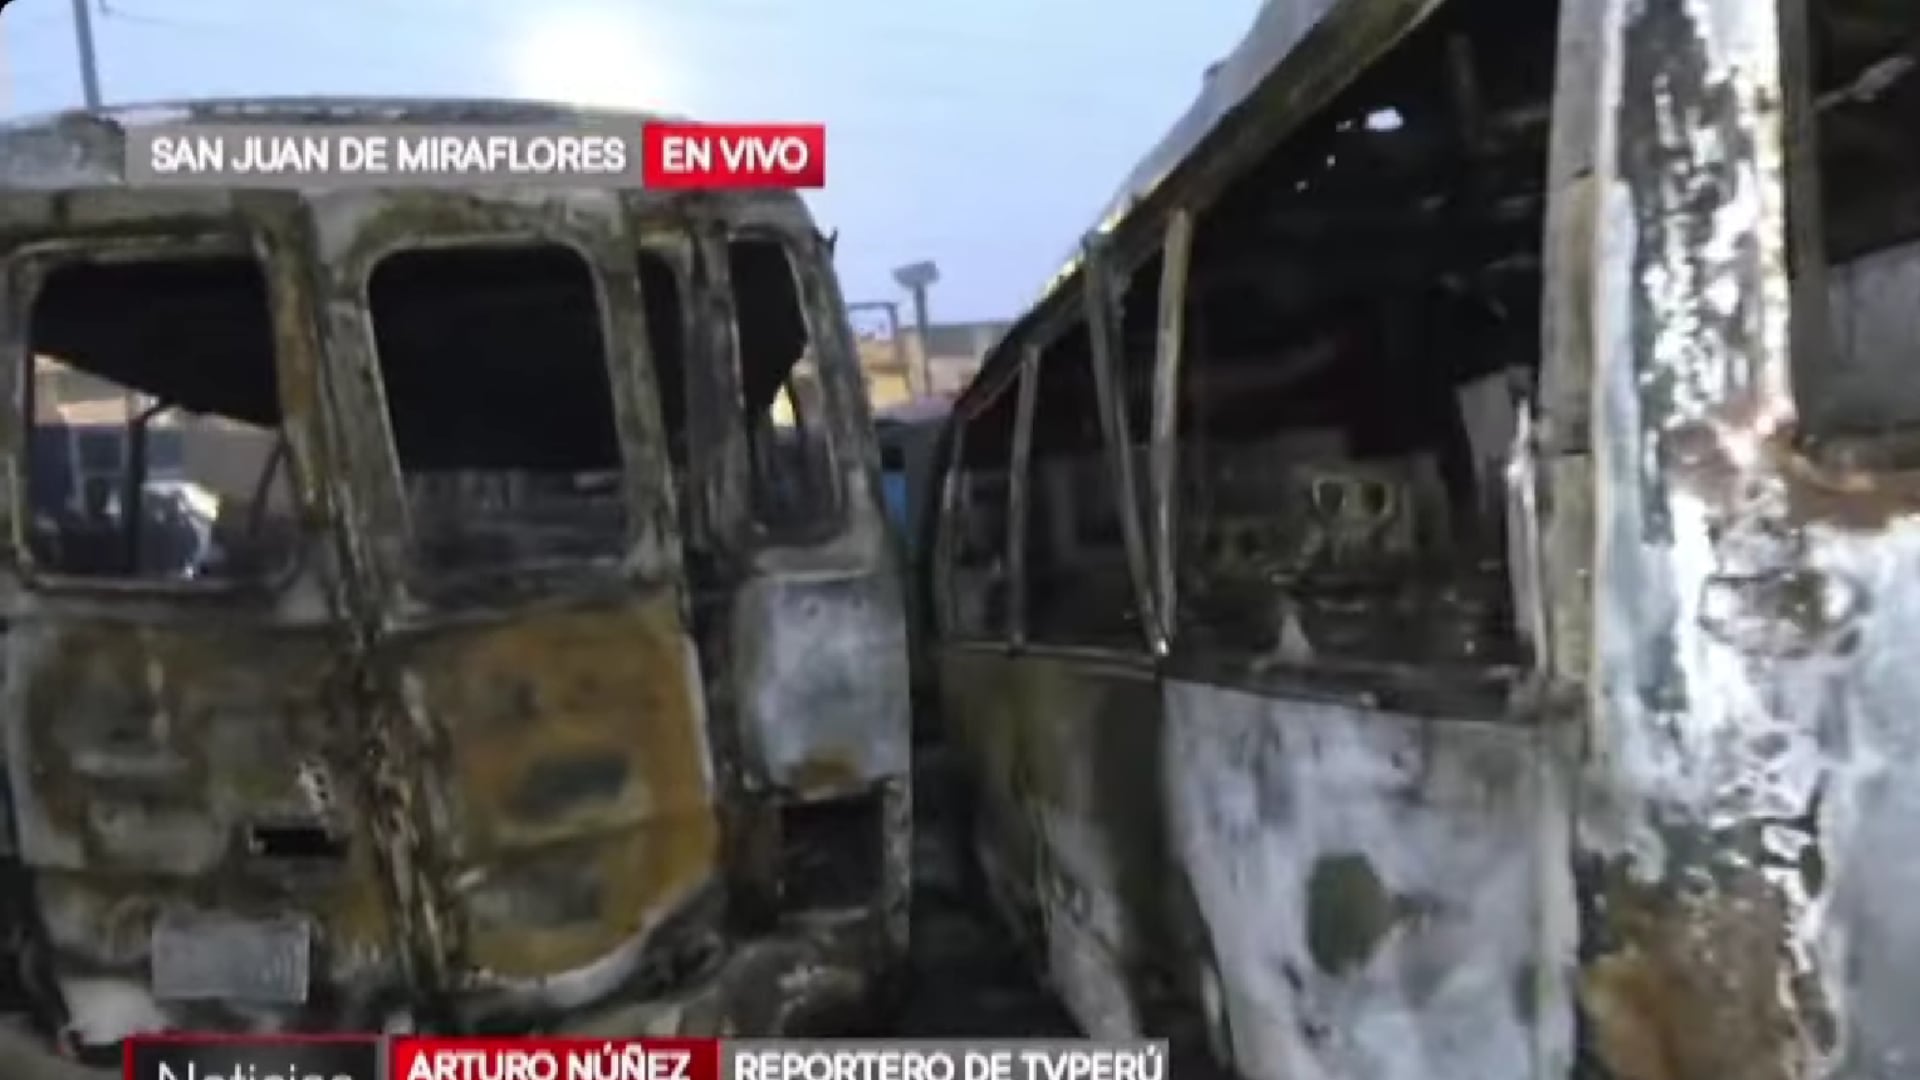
(1295, 58)
(1277, 28)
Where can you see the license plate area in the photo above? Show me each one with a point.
(213, 956)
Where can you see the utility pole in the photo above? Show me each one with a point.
(90, 91)
(89, 64)
(915, 279)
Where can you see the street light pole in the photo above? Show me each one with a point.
(89, 65)
(915, 279)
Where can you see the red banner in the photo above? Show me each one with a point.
(683, 156)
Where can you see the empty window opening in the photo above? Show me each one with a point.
(1079, 584)
(789, 446)
(1857, 376)
(156, 451)
(494, 364)
(980, 582)
(1362, 328)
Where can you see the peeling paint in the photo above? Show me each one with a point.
(1740, 668)
(1376, 930)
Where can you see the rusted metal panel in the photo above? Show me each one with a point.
(1690, 935)
(112, 707)
(575, 807)
(155, 757)
(1748, 756)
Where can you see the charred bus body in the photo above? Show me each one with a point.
(546, 667)
(1427, 592)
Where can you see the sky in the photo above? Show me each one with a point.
(985, 136)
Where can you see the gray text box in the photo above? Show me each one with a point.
(329, 155)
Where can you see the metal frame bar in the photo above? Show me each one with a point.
(1168, 361)
(1019, 477)
(1102, 314)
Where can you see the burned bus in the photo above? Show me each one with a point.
(1427, 591)
(546, 669)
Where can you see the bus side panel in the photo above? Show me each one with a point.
(1370, 884)
(978, 720)
(1073, 840)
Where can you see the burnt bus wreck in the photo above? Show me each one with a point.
(542, 664)
(1428, 591)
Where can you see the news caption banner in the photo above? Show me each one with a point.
(408, 1058)
(599, 153)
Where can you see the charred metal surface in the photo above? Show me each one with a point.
(1369, 882)
(1072, 828)
(813, 649)
(1748, 758)
(486, 802)
(150, 758)
(569, 829)
(1690, 940)
(1336, 870)
(1169, 342)
(1674, 848)
(1101, 299)
(1342, 891)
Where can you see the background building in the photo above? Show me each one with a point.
(952, 353)
(81, 425)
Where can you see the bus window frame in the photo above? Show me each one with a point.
(946, 597)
